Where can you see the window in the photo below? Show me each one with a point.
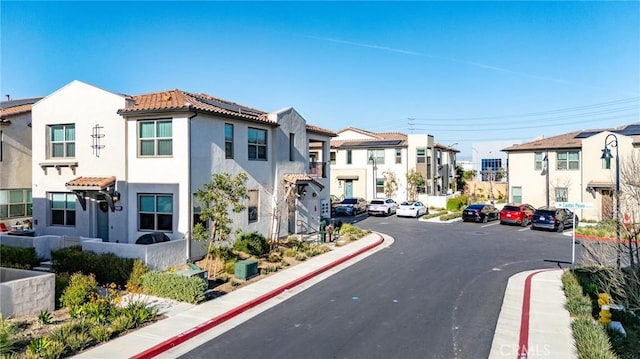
(332, 157)
(63, 209)
(228, 140)
(257, 144)
(537, 166)
(252, 208)
(62, 141)
(155, 138)
(606, 163)
(569, 160)
(421, 155)
(438, 157)
(429, 174)
(197, 211)
(292, 146)
(155, 212)
(562, 194)
(378, 155)
(15, 203)
(516, 194)
(379, 185)
(349, 157)
(398, 155)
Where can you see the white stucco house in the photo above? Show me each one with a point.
(116, 167)
(569, 168)
(15, 162)
(359, 159)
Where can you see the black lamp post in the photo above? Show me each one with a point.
(606, 155)
(373, 159)
(545, 172)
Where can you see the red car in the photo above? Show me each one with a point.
(517, 213)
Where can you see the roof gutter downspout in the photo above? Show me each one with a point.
(190, 197)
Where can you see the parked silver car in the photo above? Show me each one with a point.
(351, 206)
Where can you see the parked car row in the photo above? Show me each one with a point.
(353, 206)
(523, 214)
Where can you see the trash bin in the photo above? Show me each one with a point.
(322, 231)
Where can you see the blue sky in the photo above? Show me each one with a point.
(461, 71)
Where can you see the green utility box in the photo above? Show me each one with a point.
(246, 269)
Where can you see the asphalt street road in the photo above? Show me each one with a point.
(435, 293)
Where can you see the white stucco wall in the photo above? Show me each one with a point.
(85, 106)
(15, 167)
(25, 292)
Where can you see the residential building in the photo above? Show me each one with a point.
(361, 160)
(15, 162)
(569, 168)
(118, 166)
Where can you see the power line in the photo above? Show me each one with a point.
(531, 114)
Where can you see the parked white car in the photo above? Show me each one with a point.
(383, 207)
(411, 209)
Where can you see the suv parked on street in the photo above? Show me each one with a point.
(351, 206)
(555, 219)
(384, 207)
(517, 214)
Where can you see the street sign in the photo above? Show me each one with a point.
(574, 205)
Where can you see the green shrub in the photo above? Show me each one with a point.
(139, 311)
(252, 243)
(351, 233)
(457, 203)
(450, 216)
(134, 283)
(434, 214)
(7, 336)
(45, 317)
(100, 333)
(77, 340)
(274, 257)
(16, 257)
(178, 287)
(579, 305)
(122, 323)
(290, 252)
(82, 288)
(591, 339)
(107, 267)
(62, 281)
(230, 267)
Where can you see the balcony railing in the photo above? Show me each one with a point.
(317, 169)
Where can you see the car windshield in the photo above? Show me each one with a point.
(406, 203)
(377, 202)
(350, 201)
(545, 212)
(511, 208)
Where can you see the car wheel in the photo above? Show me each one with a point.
(561, 227)
(485, 219)
(501, 222)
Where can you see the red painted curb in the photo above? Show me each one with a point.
(201, 328)
(523, 345)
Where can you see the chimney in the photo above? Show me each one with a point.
(8, 97)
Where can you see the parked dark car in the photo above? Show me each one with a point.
(513, 213)
(152, 238)
(480, 212)
(351, 206)
(553, 219)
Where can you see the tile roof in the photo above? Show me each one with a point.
(296, 178)
(178, 100)
(16, 107)
(90, 183)
(376, 136)
(566, 140)
(323, 131)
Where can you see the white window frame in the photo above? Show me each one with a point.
(564, 162)
(155, 138)
(68, 143)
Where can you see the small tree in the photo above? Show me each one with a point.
(224, 192)
(390, 183)
(414, 180)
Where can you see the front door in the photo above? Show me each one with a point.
(102, 220)
(607, 204)
(348, 188)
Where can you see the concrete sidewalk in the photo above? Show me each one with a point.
(533, 321)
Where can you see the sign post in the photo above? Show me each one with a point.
(573, 206)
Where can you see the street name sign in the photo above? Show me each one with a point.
(574, 205)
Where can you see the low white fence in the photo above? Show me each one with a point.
(25, 292)
(158, 256)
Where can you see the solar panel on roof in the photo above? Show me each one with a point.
(586, 134)
(228, 106)
(382, 143)
(630, 130)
